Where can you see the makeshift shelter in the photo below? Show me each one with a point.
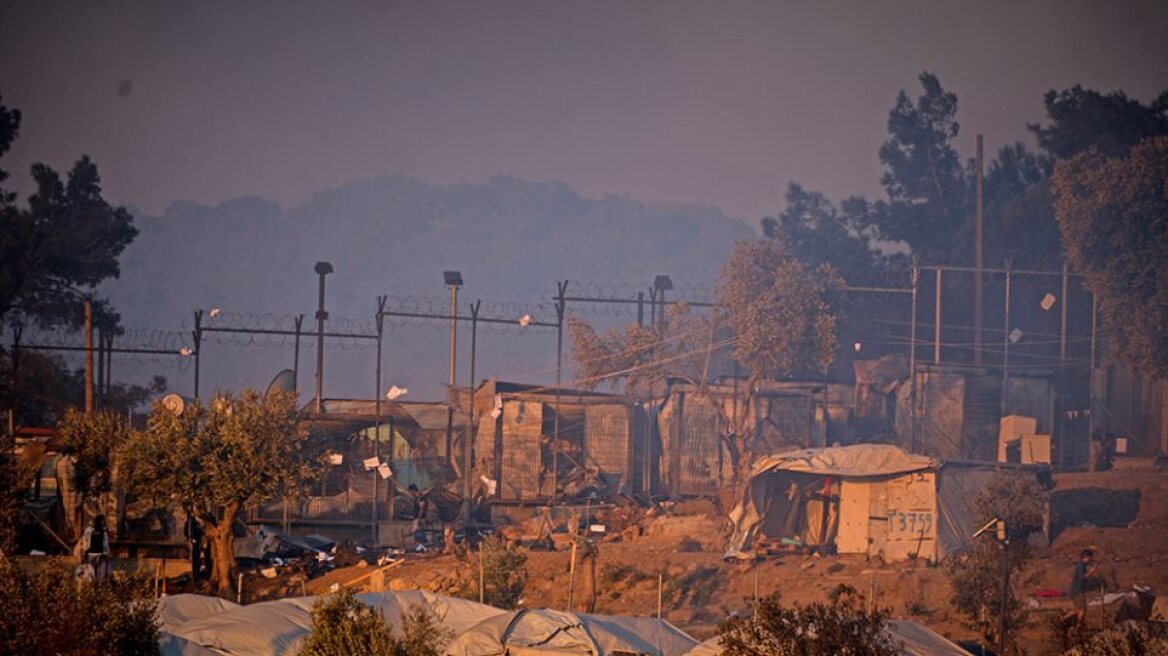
(914, 639)
(279, 627)
(872, 499)
(538, 632)
(691, 422)
(600, 442)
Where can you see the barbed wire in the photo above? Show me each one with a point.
(496, 311)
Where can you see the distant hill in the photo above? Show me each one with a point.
(510, 238)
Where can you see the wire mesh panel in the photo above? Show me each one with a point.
(940, 414)
(488, 454)
(521, 450)
(608, 440)
(786, 422)
(699, 444)
(983, 411)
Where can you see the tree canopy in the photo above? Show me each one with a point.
(927, 189)
(928, 204)
(93, 440)
(1113, 214)
(1082, 119)
(67, 237)
(216, 460)
(779, 310)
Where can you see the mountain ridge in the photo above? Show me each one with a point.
(511, 238)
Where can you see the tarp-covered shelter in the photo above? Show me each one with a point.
(913, 638)
(279, 627)
(872, 499)
(539, 632)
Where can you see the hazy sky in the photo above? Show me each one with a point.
(712, 103)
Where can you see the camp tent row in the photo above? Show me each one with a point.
(870, 499)
(194, 625)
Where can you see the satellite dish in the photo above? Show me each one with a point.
(174, 403)
(285, 381)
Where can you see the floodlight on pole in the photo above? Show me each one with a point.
(453, 280)
(662, 284)
(322, 269)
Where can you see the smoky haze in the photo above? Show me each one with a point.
(686, 102)
(310, 110)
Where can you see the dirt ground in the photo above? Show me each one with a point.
(1122, 513)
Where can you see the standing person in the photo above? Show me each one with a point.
(1109, 444)
(97, 550)
(419, 509)
(1084, 578)
(193, 532)
(1095, 451)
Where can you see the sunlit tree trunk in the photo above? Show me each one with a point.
(223, 549)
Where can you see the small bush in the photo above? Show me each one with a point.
(697, 587)
(504, 574)
(840, 627)
(1126, 640)
(976, 576)
(344, 626)
(47, 612)
(610, 575)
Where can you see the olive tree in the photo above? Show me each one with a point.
(219, 459)
(92, 440)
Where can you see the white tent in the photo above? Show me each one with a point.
(541, 632)
(175, 610)
(872, 499)
(278, 627)
(914, 638)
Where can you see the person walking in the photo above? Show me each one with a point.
(97, 549)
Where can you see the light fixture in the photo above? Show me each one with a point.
(185, 352)
(396, 392)
(525, 320)
(214, 312)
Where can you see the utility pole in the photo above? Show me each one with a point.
(470, 431)
(937, 320)
(197, 336)
(561, 307)
(377, 419)
(912, 351)
(88, 355)
(322, 269)
(453, 280)
(1062, 380)
(977, 258)
(1006, 345)
(298, 321)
